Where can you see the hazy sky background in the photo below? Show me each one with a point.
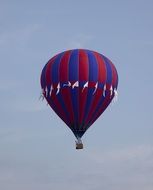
(37, 150)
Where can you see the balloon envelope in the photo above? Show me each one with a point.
(79, 84)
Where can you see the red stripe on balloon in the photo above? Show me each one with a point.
(83, 77)
(64, 67)
(101, 68)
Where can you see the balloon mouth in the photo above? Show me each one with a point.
(78, 134)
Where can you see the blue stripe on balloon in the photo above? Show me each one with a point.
(109, 70)
(93, 67)
(74, 66)
(55, 68)
(43, 77)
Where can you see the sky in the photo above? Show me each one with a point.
(37, 150)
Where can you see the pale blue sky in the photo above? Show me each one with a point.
(37, 151)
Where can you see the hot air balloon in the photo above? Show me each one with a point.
(79, 85)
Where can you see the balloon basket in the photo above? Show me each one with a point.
(79, 144)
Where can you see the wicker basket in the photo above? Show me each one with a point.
(79, 146)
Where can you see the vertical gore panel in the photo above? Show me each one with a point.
(83, 78)
(93, 67)
(83, 66)
(55, 68)
(73, 77)
(64, 67)
(101, 68)
(74, 66)
(93, 77)
(49, 71)
(109, 70)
